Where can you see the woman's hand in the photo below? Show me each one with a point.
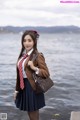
(30, 63)
(15, 94)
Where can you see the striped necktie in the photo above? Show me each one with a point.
(21, 73)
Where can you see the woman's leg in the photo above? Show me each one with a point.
(34, 115)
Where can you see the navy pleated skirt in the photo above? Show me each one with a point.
(28, 100)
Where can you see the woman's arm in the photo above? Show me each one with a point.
(43, 69)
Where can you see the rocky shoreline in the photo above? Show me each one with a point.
(46, 114)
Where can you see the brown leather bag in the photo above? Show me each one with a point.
(42, 84)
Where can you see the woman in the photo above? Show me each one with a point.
(25, 95)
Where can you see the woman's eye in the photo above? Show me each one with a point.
(29, 40)
(24, 40)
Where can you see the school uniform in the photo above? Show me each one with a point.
(27, 99)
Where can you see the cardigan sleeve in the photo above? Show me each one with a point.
(43, 69)
(17, 88)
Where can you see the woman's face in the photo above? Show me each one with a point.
(28, 43)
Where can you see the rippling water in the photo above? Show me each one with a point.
(62, 54)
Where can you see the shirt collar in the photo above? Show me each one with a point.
(29, 53)
(24, 52)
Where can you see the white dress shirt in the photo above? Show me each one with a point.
(24, 74)
(23, 71)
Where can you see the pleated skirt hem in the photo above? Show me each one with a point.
(28, 100)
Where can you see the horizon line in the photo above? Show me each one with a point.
(39, 26)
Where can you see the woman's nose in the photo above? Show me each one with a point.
(27, 42)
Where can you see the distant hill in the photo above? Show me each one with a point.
(53, 29)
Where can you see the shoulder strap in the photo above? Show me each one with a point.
(34, 57)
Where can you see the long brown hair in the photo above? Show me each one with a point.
(34, 35)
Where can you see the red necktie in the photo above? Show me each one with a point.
(20, 72)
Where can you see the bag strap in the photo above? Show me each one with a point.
(34, 57)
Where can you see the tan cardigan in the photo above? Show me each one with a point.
(43, 70)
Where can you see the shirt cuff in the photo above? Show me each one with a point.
(37, 71)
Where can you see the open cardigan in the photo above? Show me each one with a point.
(40, 63)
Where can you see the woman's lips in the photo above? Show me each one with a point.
(27, 46)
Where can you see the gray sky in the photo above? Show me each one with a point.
(39, 13)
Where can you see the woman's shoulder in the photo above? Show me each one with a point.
(37, 56)
(40, 56)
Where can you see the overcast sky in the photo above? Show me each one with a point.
(39, 13)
